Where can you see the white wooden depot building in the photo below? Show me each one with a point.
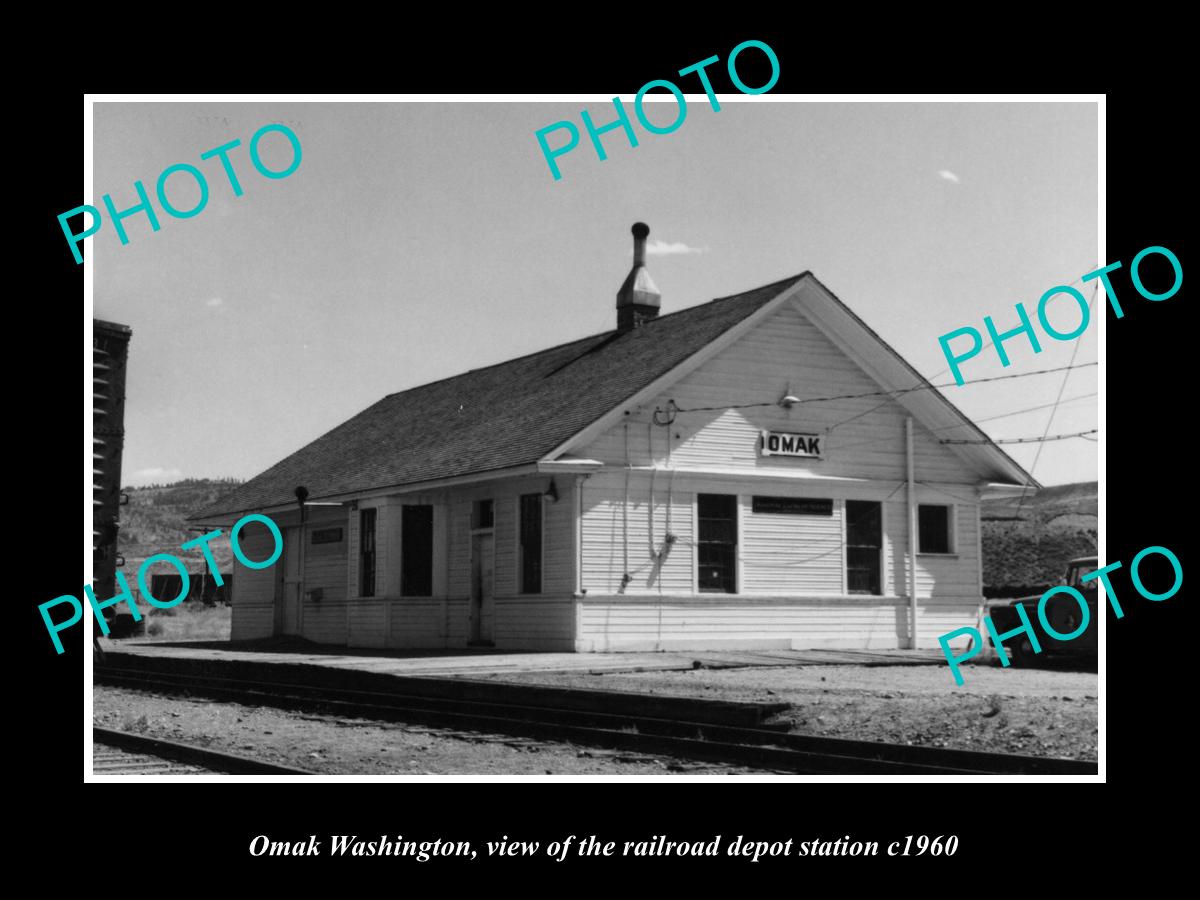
(681, 481)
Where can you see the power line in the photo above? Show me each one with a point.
(1078, 281)
(896, 393)
(895, 436)
(1018, 412)
(939, 374)
(1062, 387)
(1032, 440)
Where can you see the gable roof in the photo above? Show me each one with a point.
(510, 414)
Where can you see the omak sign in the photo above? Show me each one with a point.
(777, 443)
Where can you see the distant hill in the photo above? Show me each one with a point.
(1026, 545)
(153, 522)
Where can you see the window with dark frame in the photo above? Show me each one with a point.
(933, 529)
(531, 543)
(416, 551)
(483, 514)
(864, 544)
(716, 545)
(366, 553)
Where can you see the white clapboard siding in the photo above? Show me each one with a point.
(939, 577)
(444, 619)
(324, 620)
(791, 554)
(541, 623)
(459, 576)
(694, 623)
(785, 352)
(254, 589)
(417, 623)
(365, 623)
(458, 624)
(252, 620)
(606, 541)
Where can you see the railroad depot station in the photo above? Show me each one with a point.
(758, 472)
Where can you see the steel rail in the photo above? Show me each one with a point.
(755, 747)
(216, 760)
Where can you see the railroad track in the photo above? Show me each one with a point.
(122, 753)
(761, 748)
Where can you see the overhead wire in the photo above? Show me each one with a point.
(1016, 412)
(1049, 421)
(675, 408)
(938, 374)
(1033, 440)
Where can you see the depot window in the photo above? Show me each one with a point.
(716, 547)
(864, 547)
(531, 543)
(366, 553)
(935, 529)
(416, 551)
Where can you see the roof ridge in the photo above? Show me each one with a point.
(599, 334)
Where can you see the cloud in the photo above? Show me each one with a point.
(949, 176)
(663, 248)
(214, 302)
(153, 475)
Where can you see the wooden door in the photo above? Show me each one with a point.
(289, 593)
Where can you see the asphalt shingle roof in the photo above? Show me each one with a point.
(505, 415)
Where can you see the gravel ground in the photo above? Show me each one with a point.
(336, 746)
(1029, 711)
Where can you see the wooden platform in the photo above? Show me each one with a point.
(465, 663)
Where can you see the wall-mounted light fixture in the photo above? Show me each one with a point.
(788, 400)
(552, 492)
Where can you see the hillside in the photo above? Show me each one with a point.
(153, 522)
(1026, 551)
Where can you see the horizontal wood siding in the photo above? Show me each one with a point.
(252, 621)
(787, 352)
(253, 614)
(459, 576)
(639, 623)
(458, 622)
(606, 541)
(365, 623)
(541, 623)
(784, 554)
(417, 623)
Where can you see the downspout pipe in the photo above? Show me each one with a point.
(301, 496)
(912, 530)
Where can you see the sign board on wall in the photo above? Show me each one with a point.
(778, 443)
(795, 506)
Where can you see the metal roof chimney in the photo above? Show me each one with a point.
(638, 299)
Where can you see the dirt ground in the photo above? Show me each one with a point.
(1035, 712)
(335, 746)
(190, 621)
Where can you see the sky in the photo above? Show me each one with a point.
(418, 240)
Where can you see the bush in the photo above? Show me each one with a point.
(154, 629)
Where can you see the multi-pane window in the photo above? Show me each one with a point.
(531, 543)
(864, 541)
(416, 551)
(366, 553)
(717, 540)
(934, 529)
